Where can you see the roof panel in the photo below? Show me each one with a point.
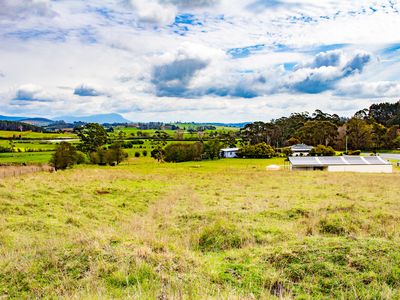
(335, 160)
(375, 160)
(354, 160)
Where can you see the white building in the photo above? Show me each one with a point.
(300, 150)
(228, 152)
(368, 164)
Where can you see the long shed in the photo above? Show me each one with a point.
(368, 164)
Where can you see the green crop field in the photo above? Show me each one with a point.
(36, 135)
(225, 229)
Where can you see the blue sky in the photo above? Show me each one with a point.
(198, 60)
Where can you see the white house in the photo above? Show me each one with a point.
(368, 164)
(228, 152)
(300, 150)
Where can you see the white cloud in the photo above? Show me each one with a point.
(111, 51)
(151, 11)
(22, 9)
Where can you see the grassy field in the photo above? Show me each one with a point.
(215, 229)
(36, 135)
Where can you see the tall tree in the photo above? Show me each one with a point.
(359, 133)
(318, 133)
(92, 136)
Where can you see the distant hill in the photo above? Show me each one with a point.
(101, 118)
(18, 126)
(28, 120)
(37, 121)
(9, 118)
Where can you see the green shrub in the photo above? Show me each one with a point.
(137, 154)
(65, 156)
(261, 150)
(5, 149)
(322, 150)
(353, 152)
(183, 152)
(144, 153)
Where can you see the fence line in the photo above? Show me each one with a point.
(8, 171)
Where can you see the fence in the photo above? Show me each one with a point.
(7, 171)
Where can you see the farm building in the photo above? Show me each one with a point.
(300, 150)
(228, 152)
(368, 164)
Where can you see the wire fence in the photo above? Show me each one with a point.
(7, 171)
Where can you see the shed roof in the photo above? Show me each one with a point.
(229, 149)
(301, 147)
(321, 161)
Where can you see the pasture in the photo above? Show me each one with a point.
(214, 229)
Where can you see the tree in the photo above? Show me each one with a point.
(65, 156)
(359, 133)
(212, 149)
(387, 114)
(318, 132)
(92, 137)
(183, 152)
(261, 150)
(116, 153)
(322, 150)
(378, 135)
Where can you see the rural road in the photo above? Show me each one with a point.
(386, 155)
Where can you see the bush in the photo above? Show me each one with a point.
(353, 152)
(137, 154)
(261, 150)
(144, 153)
(65, 156)
(322, 150)
(80, 157)
(183, 152)
(5, 149)
(114, 155)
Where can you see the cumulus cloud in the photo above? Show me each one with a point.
(173, 79)
(192, 3)
(154, 12)
(325, 70)
(380, 89)
(85, 91)
(29, 92)
(22, 9)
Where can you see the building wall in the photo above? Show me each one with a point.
(362, 168)
(349, 168)
(300, 153)
(230, 154)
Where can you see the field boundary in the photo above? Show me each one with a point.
(14, 171)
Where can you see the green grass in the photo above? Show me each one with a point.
(36, 135)
(25, 157)
(214, 229)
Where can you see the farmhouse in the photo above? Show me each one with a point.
(369, 164)
(300, 150)
(228, 152)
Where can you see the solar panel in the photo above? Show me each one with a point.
(354, 160)
(374, 160)
(296, 160)
(331, 160)
(335, 160)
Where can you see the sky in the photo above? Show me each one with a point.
(199, 60)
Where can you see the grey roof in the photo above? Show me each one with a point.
(301, 147)
(229, 149)
(321, 161)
